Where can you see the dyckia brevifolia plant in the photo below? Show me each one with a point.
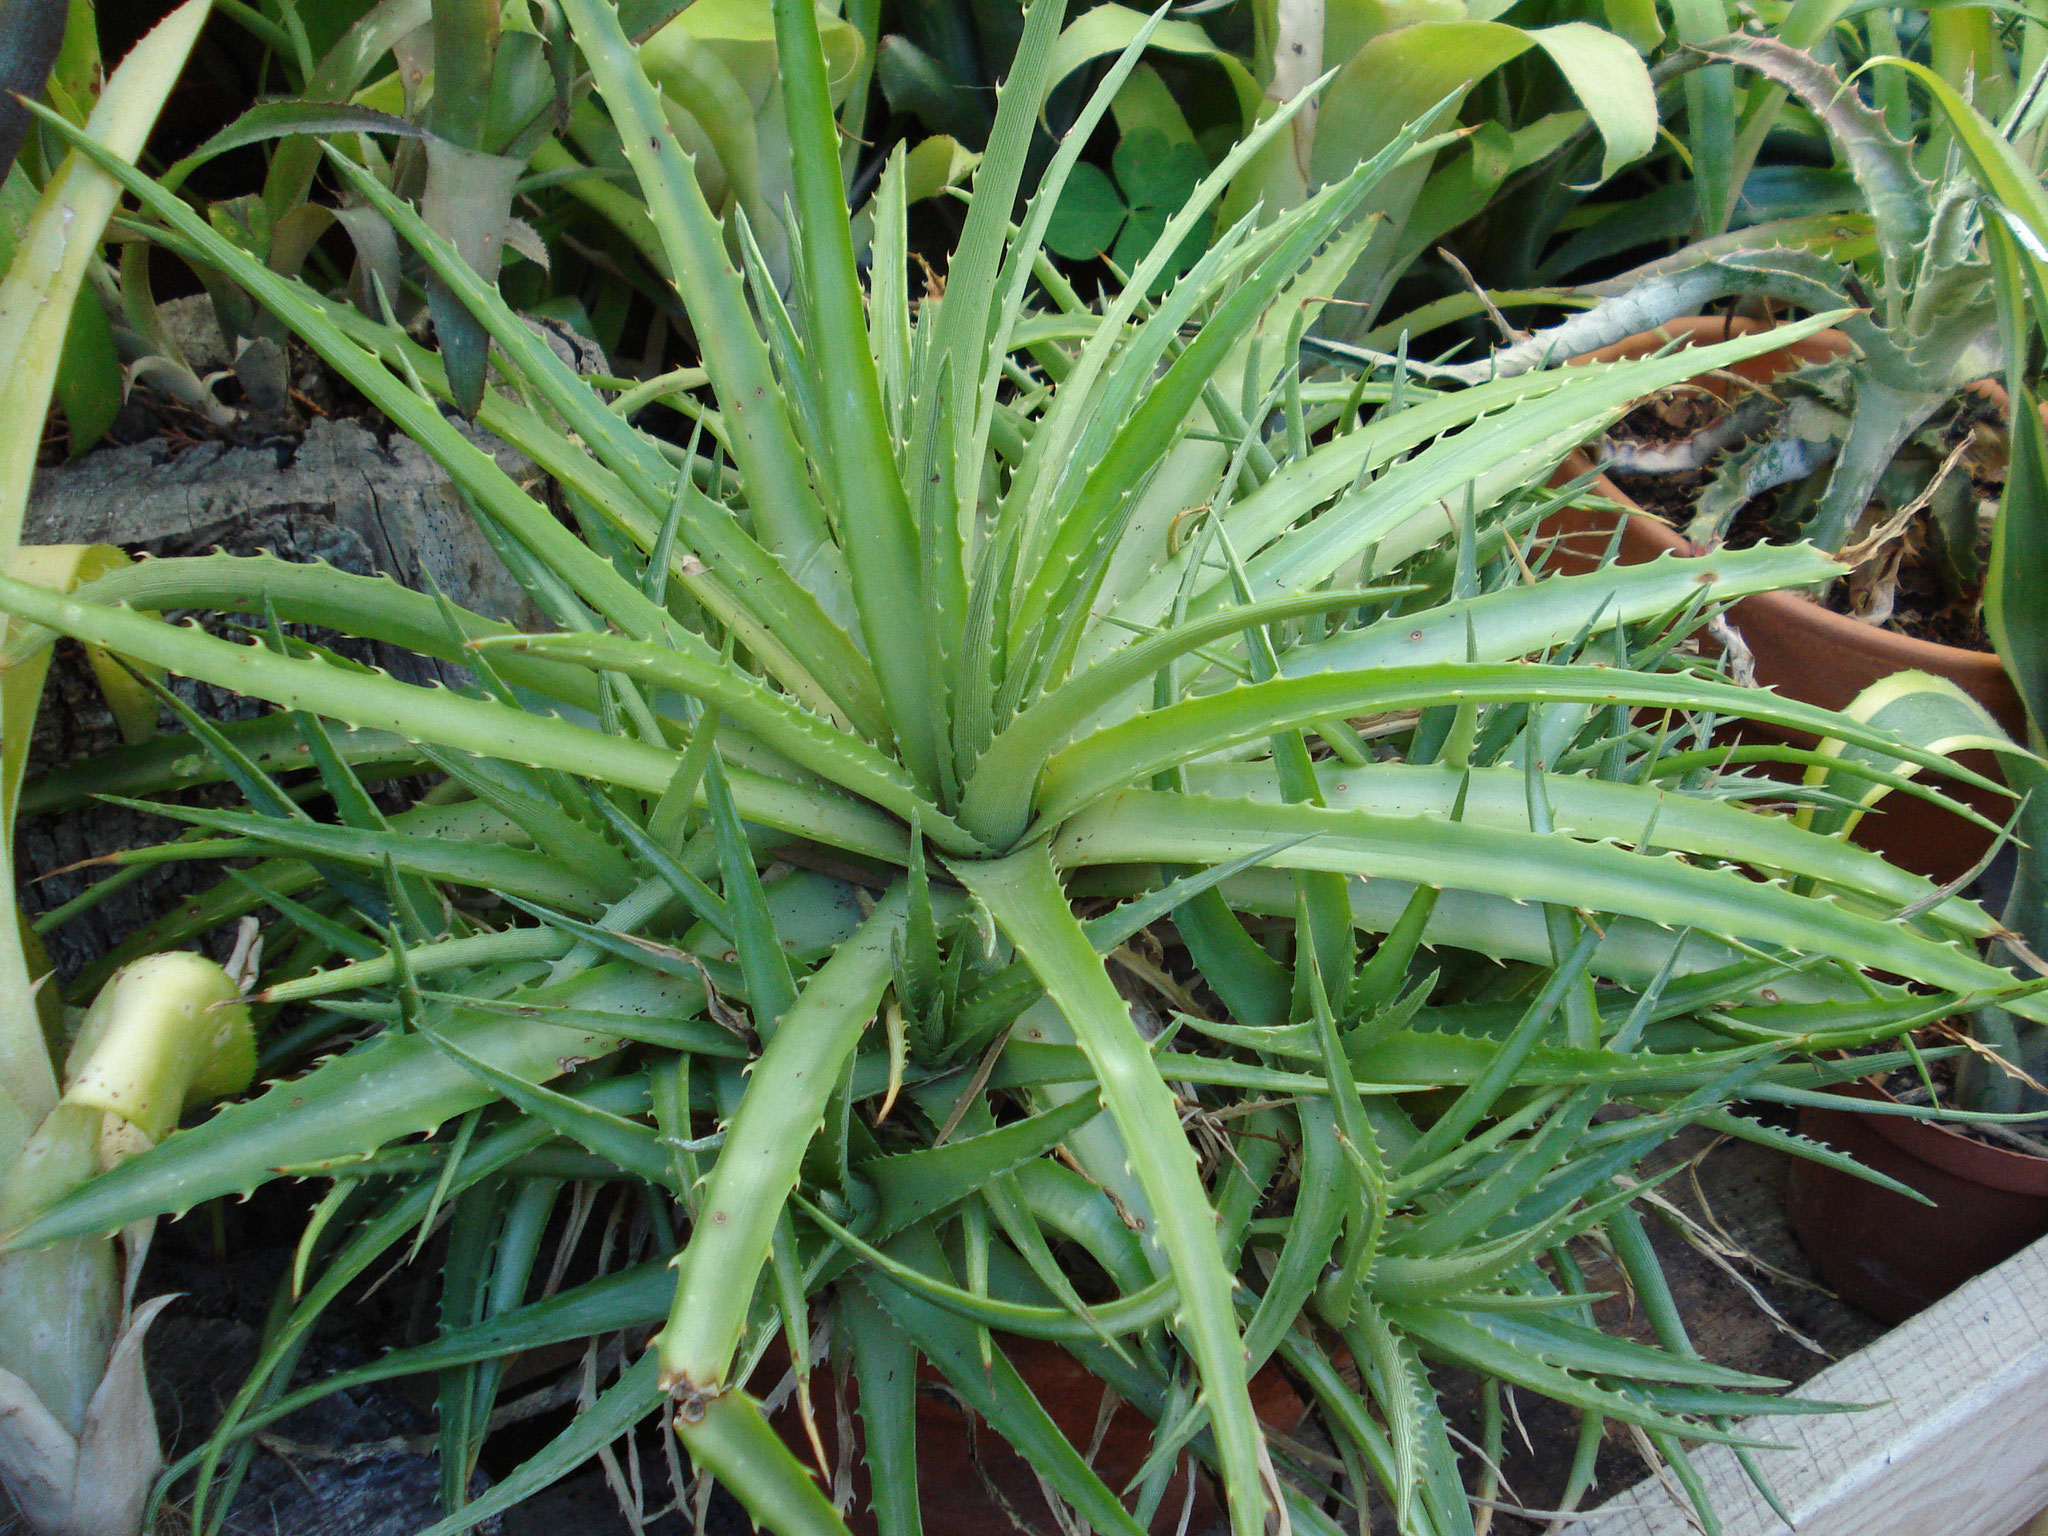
(777, 887)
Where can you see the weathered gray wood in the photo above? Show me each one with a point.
(1957, 1444)
(341, 493)
(383, 498)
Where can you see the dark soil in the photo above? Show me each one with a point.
(225, 1263)
(1671, 417)
(1921, 608)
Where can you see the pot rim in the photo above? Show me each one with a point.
(1942, 1146)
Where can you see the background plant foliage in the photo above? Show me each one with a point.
(965, 640)
(1592, 142)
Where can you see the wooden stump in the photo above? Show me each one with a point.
(339, 493)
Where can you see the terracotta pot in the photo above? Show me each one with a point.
(1807, 652)
(1892, 1256)
(966, 1472)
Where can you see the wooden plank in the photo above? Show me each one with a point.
(1956, 1446)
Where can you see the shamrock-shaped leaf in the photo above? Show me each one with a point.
(1088, 216)
(1124, 219)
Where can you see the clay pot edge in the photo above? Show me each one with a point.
(1943, 1147)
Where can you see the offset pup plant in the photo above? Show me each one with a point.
(79, 1451)
(993, 609)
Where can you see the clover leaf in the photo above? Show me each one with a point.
(1123, 219)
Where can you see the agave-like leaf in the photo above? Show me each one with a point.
(1899, 198)
(413, 1085)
